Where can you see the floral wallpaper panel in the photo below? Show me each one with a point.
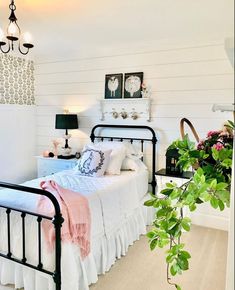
(16, 80)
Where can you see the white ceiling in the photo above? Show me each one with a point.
(60, 26)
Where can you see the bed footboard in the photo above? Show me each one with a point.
(57, 221)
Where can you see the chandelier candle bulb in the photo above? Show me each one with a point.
(12, 29)
(27, 37)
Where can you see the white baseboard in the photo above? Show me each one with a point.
(210, 221)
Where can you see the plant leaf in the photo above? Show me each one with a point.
(185, 225)
(170, 185)
(173, 270)
(227, 163)
(183, 263)
(149, 202)
(221, 205)
(214, 202)
(221, 186)
(213, 184)
(166, 191)
(153, 244)
(185, 254)
(215, 154)
(150, 235)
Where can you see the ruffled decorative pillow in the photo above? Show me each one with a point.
(116, 158)
(93, 162)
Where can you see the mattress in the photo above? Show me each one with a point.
(117, 217)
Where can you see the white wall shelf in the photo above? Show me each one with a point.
(133, 108)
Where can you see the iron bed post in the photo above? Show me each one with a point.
(57, 220)
(153, 140)
(154, 183)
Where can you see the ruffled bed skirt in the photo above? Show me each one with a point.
(105, 251)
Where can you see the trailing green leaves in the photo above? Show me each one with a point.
(212, 160)
(178, 259)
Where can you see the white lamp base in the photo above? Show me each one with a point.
(66, 151)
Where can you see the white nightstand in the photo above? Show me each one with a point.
(162, 178)
(47, 166)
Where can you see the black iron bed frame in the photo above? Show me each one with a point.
(57, 220)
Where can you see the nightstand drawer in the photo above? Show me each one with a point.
(169, 179)
(162, 180)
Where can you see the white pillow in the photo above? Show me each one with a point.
(117, 156)
(132, 151)
(93, 162)
(134, 165)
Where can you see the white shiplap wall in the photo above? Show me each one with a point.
(186, 81)
(17, 143)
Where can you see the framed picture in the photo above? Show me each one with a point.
(133, 85)
(113, 86)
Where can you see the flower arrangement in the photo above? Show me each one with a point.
(211, 181)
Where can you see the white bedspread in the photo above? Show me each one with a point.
(116, 207)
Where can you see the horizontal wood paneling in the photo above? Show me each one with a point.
(162, 57)
(207, 82)
(169, 97)
(185, 82)
(151, 71)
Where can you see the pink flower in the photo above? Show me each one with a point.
(201, 145)
(212, 133)
(218, 146)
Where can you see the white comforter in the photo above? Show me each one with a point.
(111, 198)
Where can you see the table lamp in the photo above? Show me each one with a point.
(66, 122)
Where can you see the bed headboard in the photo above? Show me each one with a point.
(153, 140)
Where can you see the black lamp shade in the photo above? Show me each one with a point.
(66, 121)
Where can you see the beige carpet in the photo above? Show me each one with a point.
(142, 269)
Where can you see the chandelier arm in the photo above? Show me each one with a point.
(21, 51)
(5, 51)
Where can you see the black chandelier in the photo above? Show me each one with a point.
(14, 35)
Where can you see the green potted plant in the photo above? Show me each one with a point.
(211, 182)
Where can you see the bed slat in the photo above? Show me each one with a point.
(8, 212)
(23, 215)
(40, 265)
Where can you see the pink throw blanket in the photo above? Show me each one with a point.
(76, 213)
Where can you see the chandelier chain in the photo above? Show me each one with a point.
(12, 6)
